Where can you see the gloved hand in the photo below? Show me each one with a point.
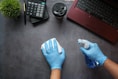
(53, 57)
(94, 53)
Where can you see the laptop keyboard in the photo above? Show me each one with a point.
(101, 10)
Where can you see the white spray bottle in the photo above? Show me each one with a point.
(90, 63)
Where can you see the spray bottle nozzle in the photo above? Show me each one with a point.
(84, 43)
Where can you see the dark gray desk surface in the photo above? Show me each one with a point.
(21, 57)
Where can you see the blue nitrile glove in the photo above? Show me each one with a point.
(53, 57)
(94, 53)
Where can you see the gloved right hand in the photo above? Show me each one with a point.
(94, 53)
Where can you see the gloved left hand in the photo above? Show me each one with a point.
(53, 57)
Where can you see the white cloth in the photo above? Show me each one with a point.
(58, 45)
